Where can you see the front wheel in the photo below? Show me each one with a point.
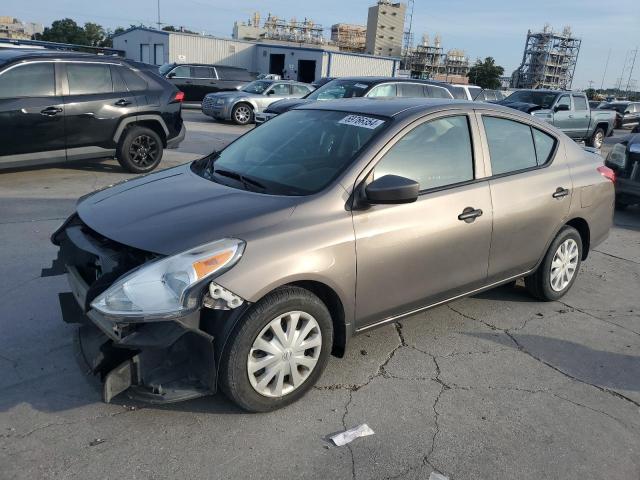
(140, 151)
(597, 139)
(242, 114)
(278, 350)
(559, 268)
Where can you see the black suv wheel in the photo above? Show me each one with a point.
(140, 151)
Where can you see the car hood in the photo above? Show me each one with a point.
(282, 106)
(174, 210)
(233, 94)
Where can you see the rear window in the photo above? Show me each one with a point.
(410, 90)
(30, 80)
(89, 78)
(437, 92)
(228, 73)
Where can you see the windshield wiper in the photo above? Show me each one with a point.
(243, 179)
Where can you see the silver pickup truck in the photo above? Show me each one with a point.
(568, 111)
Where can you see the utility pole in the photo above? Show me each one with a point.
(590, 84)
(159, 23)
(605, 69)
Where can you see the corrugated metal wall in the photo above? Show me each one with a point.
(131, 43)
(193, 48)
(343, 65)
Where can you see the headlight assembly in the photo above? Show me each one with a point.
(164, 288)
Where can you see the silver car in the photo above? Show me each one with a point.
(242, 105)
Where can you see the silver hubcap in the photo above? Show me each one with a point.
(564, 264)
(284, 354)
(243, 114)
(597, 142)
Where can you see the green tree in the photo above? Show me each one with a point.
(64, 31)
(590, 93)
(486, 74)
(96, 35)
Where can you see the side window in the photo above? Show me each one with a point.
(182, 71)
(410, 90)
(134, 82)
(437, 92)
(201, 72)
(579, 102)
(458, 93)
(564, 100)
(510, 145)
(388, 90)
(118, 82)
(434, 154)
(31, 80)
(280, 89)
(544, 145)
(299, 89)
(87, 78)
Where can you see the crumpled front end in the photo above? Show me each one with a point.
(157, 360)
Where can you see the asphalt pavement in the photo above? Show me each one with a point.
(496, 386)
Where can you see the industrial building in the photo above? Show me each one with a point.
(349, 38)
(288, 60)
(385, 29)
(13, 28)
(430, 61)
(280, 30)
(549, 60)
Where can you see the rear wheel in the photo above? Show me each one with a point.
(597, 138)
(242, 114)
(140, 151)
(559, 269)
(278, 351)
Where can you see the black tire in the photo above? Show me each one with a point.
(140, 150)
(244, 119)
(597, 138)
(620, 205)
(539, 283)
(233, 375)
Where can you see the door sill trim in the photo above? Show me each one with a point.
(427, 307)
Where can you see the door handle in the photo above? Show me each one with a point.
(188, 81)
(570, 116)
(51, 111)
(469, 214)
(560, 192)
(122, 103)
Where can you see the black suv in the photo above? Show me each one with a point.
(63, 106)
(198, 79)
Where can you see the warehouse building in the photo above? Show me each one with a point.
(294, 62)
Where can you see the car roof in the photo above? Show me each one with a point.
(395, 106)
(8, 55)
(375, 80)
(207, 65)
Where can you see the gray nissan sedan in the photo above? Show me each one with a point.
(247, 268)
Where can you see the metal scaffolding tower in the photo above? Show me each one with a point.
(549, 60)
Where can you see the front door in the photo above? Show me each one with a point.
(31, 115)
(94, 105)
(531, 190)
(563, 119)
(413, 255)
(180, 76)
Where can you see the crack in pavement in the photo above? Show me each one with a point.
(617, 257)
(521, 348)
(586, 312)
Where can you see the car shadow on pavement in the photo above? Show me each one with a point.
(509, 293)
(94, 165)
(610, 370)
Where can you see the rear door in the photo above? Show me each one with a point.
(531, 191)
(95, 100)
(31, 114)
(581, 116)
(204, 81)
(417, 254)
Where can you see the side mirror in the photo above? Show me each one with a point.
(271, 92)
(561, 108)
(392, 189)
(171, 74)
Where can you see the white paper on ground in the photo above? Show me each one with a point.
(350, 435)
(437, 476)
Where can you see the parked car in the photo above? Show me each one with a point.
(327, 221)
(569, 111)
(197, 79)
(466, 92)
(624, 160)
(242, 106)
(352, 87)
(593, 104)
(320, 82)
(627, 113)
(64, 106)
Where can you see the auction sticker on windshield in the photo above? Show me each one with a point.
(360, 121)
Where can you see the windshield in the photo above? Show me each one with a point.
(339, 89)
(297, 153)
(474, 92)
(618, 107)
(164, 69)
(258, 86)
(542, 99)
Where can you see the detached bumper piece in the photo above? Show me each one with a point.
(157, 361)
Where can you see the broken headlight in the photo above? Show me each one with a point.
(162, 288)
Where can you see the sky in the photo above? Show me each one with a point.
(494, 28)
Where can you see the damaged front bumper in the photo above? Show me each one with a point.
(161, 361)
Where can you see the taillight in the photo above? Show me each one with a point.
(178, 97)
(606, 172)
